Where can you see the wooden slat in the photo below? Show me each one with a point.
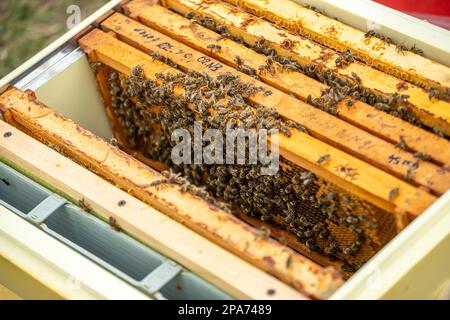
(378, 153)
(434, 112)
(363, 115)
(337, 35)
(134, 177)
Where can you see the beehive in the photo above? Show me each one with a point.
(353, 170)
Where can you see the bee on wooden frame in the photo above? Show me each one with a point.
(416, 50)
(393, 193)
(373, 33)
(344, 59)
(84, 205)
(400, 48)
(411, 169)
(356, 78)
(433, 92)
(114, 224)
(95, 66)
(214, 47)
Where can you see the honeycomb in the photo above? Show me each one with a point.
(324, 218)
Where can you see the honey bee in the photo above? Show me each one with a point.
(437, 131)
(402, 144)
(329, 250)
(324, 234)
(356, 77)
(95, 66)
(114, 224)
(399, 48)
(370, 33)
(422, 156)
(410, 171)
(373, 33)
(433, 92)
(344, 59)
(84, 205)
(401, 86)
(308, 233)
(238, 60)
(287, 44)
(113, 76)
(262, 232)
(271, 292)
(348, 267)
(347, 251)
(416, 50)
(311, 245)
(136, 71)
(160, 57)
(248, 71)
(214, 47)
(289, 261)
(393, 193)
(307, 6)
(372, 225)
(286, 131)
(351, 220)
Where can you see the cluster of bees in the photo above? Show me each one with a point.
(400, 48)
(149, 111)
(244, 68)
(395, 104)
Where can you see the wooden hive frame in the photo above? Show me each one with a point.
(376, 52)
(23, 111)
(123, 58)
(434, 113)
(125, 30)
(379, 123)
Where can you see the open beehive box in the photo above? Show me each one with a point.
(363, 128)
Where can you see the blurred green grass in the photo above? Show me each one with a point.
(27, 26)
